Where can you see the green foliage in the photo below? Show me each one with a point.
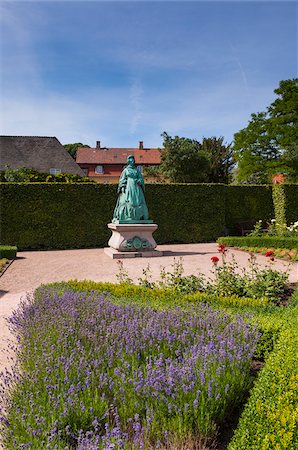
(182, 160)
(8, 251)
(287, 254)
(72, 148)
(3, 264)
(252, 281)
(177, 209)
(279, 202)
(248, 203)
(154, 173)
(227, 280)
(290, 158)
(221, 159)
(291, 194)
(75, 215)
(269, 420)
(186, 160)
(259, 241)
(56, 215)
(259, 148)
(259, 311)
(29, 175)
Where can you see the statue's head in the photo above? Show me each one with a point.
(131, 160)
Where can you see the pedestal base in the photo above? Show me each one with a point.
(115, 254)
(132, 240)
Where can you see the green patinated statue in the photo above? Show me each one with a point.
(131, 204)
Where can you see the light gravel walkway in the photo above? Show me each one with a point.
(31, 269)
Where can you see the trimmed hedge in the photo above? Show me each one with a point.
(66, 215)
(291, 195)
(8, 251)
(269, 420)
(76, 215)
(260, 241)
(186, 212)
(248, 203)
(49, 215)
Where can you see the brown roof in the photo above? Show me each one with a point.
(117, 155)
(38, 152)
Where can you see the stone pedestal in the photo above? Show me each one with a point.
(132, 240)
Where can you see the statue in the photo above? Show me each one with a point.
(131, 204)
(131, 228)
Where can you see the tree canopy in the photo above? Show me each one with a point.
(185, 160)
(72, 148)
(269, 143)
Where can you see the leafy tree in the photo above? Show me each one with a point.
(269, 141)
(221, 159)
(187, 160)
(72, 148)
(182, 160)
(154, 173)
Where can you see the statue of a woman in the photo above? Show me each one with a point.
(131, 204)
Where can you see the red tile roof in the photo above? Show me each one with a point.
(117, 155)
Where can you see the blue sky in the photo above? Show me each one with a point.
(120, 72)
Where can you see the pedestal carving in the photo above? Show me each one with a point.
(132, 240)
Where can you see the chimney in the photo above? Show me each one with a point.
(141, 145)
(97, 144)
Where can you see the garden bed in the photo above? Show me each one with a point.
(134, 367)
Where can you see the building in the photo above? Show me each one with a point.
(105, 165)
(45, 154)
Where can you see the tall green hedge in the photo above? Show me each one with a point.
(246, 203)
(291, 194)
(50, 215)
(41, 215)
(187, 212)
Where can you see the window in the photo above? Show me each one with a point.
(54, 171)
(99, 169)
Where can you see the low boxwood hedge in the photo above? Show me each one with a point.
(259, 241)
(8, 251)
(269, 420)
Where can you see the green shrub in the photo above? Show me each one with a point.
(8, 251)
(70, 215)
(29, 175)
(75, 215)
(291, 195)
(56, 215)
(248, 203)
(187, 212)
(269, 420)
(259, 241)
